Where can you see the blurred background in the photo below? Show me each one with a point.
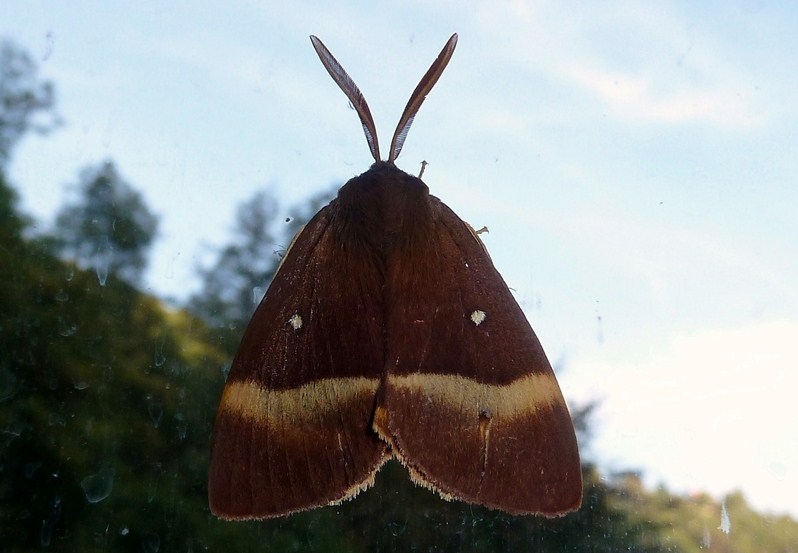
(634, 165)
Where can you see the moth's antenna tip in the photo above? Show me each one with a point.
(419, 94)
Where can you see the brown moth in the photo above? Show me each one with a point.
(387, 332)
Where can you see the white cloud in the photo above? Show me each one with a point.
(640, 97)
(644, 62)
(712, 411)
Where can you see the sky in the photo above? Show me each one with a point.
(633, 161)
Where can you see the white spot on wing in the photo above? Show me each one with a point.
(477, 317)
(295, 321)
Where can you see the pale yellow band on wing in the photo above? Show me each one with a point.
(522, 397)
(296, 405)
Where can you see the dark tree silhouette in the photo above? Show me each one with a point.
(234, 285)
(11, 224)
(108, 227)
(26, 102)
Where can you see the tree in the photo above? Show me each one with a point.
(108, 228)
(11, 224)
(234, 285)
(107, 399)
(23, 97)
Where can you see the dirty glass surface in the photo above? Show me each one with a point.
(634, 167)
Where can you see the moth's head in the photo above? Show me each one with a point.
(345, 82)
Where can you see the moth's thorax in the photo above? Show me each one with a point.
(384, 209)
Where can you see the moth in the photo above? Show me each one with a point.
(388, 333)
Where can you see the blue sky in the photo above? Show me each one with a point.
(634, 162)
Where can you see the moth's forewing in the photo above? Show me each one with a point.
(471, 404)
(293, 426)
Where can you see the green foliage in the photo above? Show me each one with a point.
(695, 523)
(100, 402)
(11, 224)
(107, 404)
